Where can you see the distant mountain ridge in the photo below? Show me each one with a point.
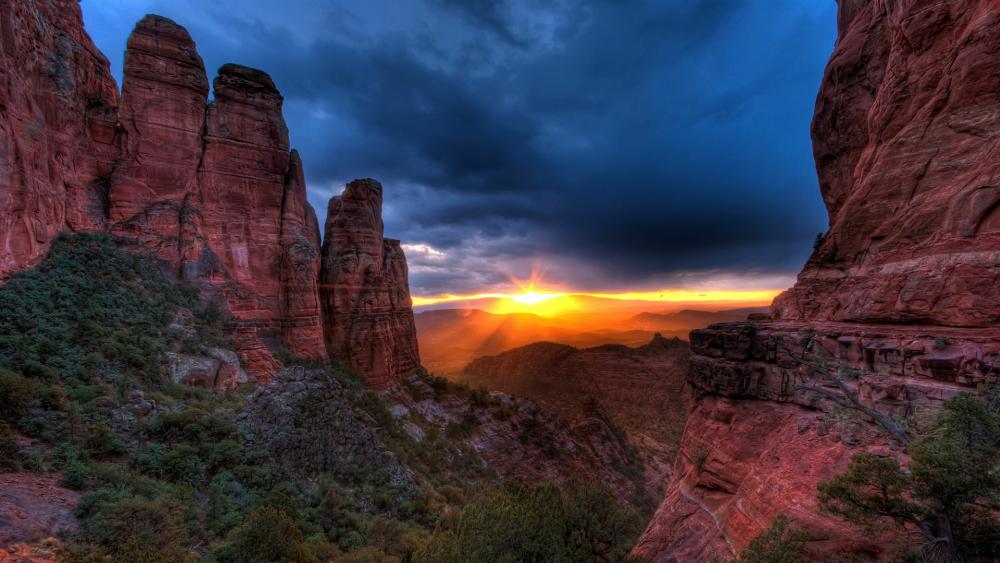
(692, 318)
(451, 338)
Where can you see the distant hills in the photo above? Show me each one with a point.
(691, 319)
(451, 338)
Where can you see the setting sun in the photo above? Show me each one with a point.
(533, 297)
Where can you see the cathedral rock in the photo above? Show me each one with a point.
(366, 299)
(903, 288)
(212, 189)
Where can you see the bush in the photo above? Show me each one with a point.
(270, 534)
(134, 528)
(102, 442)
(16, 394)
(517, 523)
(10, 450)
(76, 475)
(90, 307)
(781, 543)
(948, 496)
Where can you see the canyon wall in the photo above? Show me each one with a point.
(57, 128)
(904, 132)
(903, 288)
(213, 190)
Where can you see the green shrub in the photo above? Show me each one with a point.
(76, 475)
(516, 523)
(270, 534)
(949, 494)
(16, 394)
(127, 525)
(101, 442)
(63, 454)
(9, 450)
(781, 543)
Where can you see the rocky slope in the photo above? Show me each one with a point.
(521, 441)
(904, 125)
(212, 189)
(641, 389)
(32, 509)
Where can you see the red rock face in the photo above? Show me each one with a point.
(211, 189)
(57, 128)
(365, 289)
(162, 118)
(756, 447)
(903, 137)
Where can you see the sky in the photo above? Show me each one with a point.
(600, 146)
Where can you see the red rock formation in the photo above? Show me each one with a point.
(57, 127)
(211, 189)
(755, 446)
(365, 291)
(904, 132)
(162, 116)
(903, 137)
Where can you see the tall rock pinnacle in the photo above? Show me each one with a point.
(364, 289)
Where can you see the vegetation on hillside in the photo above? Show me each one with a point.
(517, 523)
(950, 492)
(185, 478)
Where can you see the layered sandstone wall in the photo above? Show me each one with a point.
(759, 440)
(57, 128)
(364, 289)
(902, 289)
(212, 189)
(904, 136)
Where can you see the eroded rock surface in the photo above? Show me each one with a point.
(33, 508)
(58, 105)
(905, 128)
(759, 439)
(902, 289)
(365, 290)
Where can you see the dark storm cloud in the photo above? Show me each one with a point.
(616, 143)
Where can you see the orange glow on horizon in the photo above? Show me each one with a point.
(532, 298)
(551, 303)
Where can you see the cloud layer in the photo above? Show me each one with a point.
(612, 144)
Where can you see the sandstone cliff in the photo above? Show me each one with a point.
(212, 189)
(904, 129)
(364, 289)
(903, 136)
(57, 128)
